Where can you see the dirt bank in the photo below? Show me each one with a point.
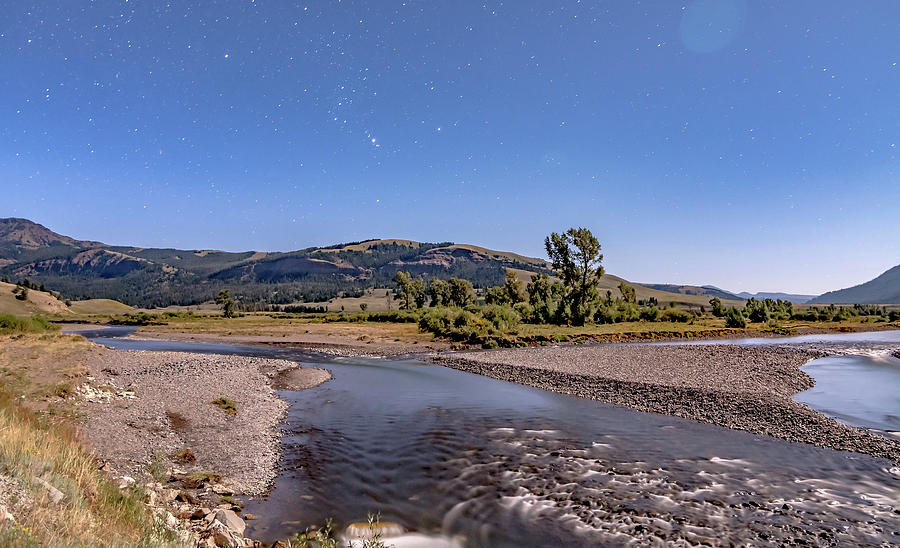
(747, 388)
(335, 344)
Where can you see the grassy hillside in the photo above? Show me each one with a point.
(100, 306)
(36, 302)
(884, 289)
(702, 291)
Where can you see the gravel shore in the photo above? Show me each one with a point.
(145, 406)
(746, 388)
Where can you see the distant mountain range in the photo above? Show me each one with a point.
(700, 290)
(794, 298)
(884, 289)
(149, 277)
(154, 277)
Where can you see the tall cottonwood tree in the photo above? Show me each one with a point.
(576, 259)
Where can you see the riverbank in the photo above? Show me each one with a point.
(745, 388)
(344, 340)
(168, 440)
(146, 408)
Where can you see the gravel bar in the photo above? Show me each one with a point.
(745, 388)
(145, 406)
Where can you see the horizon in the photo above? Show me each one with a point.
(746, 146)
(538, 256)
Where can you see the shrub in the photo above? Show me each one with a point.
(675, 315)
(650, 314)
(454, 323)
(10, 324)
(502, 317)
(226, 404)
(526, 312)
(894, 315)
(734, 318)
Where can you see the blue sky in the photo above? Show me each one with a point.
(749, 145)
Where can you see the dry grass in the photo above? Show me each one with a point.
(289, 329)
(93, 511)
(100, 306)
(38, 443)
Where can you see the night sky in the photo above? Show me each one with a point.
(749, 145)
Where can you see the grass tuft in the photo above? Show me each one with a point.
(226, 404)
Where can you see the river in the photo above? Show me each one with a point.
(472, 461)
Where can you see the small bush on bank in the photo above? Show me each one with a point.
(650, 314)
(734, 319)
(226, 404)
(502, 317)
(675, 315)
(10, 324)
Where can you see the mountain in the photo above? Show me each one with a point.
(884, 289)
(151, 277)
(794, 298)
(708, 291)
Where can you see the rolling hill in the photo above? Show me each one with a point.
(707, 291)
(791, 297)
(154, 277)
(884, 289)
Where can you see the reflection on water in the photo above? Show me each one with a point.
(491, 463)
(858, 390)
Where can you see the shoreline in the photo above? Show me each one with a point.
(742, 388)
(146, 403)
(152, 421)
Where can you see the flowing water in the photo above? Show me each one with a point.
(473, 461)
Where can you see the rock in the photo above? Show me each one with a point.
(230, 520)
(168, 495)
(384, 529)
(222, 537)
(171, 521)
(5, 516)
(249, 516)
(220, 489)
(185, 496)
(125, 482)
(56, 496)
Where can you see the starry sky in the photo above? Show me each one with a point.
(748, 145)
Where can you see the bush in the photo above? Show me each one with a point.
(894, 315)
(226, 404)
(734, 318)
(526, 312)
(138, 318)
(17, 324)
(650, 314)
(455, 323)
(676, 315)
(502, 317)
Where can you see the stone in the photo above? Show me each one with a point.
(230, 520)
(125, 482)
(184, 496)
(56, 496)
(220, 489)
(365, 531)
(6, 516)
(222, 537)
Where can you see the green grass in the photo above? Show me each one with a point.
(11, 325)
(226, 404)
